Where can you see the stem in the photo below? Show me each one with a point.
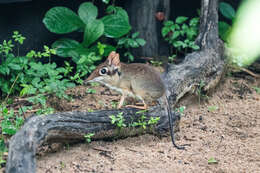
(5, 100)
(11, 88)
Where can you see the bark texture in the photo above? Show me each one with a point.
(206, 65)
(142, 18)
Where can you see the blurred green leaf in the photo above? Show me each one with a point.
(181, 19)
(62, 20)
(116, 25)
(93, 30)
(227, 10)
(87, 12)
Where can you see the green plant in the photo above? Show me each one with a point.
(212, 161)
(10, 67)
(257, 89)
(200, 93)
(156, 63)
(153, 120)
(130, 41)
(118, 120)
(88, 137)
(181, 34)
(62, 165)
(180, 110)
(114, 104)
(91, 91)
(212, 108)
(62, 20)
(29, 77)
(94, 84)
(90, 110)
(143, 121)
(3, 149)
(229, 13)
(10, 122)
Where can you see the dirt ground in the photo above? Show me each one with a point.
(224, 134)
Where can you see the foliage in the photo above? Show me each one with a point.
(91, 91)
(88, 137)
(229, 13)
(118, 120)
(180, 110)
(143, 121)
(181, 34)
(130, 41)
(257, 89)
(3, 149)
(29, 77)
(114, 104)
(156, 63)
(10, 122)
(25, 75)
(212, 108)
(199, 91)
(212, 161)
(62, 20)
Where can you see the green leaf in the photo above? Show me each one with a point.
(93, 30)
(165, 31)
(178, 44)
(191, 33)
(116, 25)
(212, 161)
(62, 20)
(14, 66)
(87, 12)
(194, 21)
(107, 49)
(110, 9)
(65, 46)
(4, 86)
(257, 89)
(180, 19)
(224, 30)
(106, 1)
(135, 35)
(122, 41)
(195, 47)
(177, 26)
(175, 35)
(168, 23)
(227, 10)
(140, 41)
(184, 27)
(133, 43)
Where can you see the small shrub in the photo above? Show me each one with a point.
(118, 120)
(130, 41)
(229, 13)
(88, 137)
(181, 34)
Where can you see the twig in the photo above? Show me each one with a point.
(101, 149)
(250, 72)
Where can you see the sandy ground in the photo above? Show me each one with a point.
(224, 129)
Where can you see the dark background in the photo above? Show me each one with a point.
(26, 17)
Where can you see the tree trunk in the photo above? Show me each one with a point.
(206, 65)
(142, 15)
